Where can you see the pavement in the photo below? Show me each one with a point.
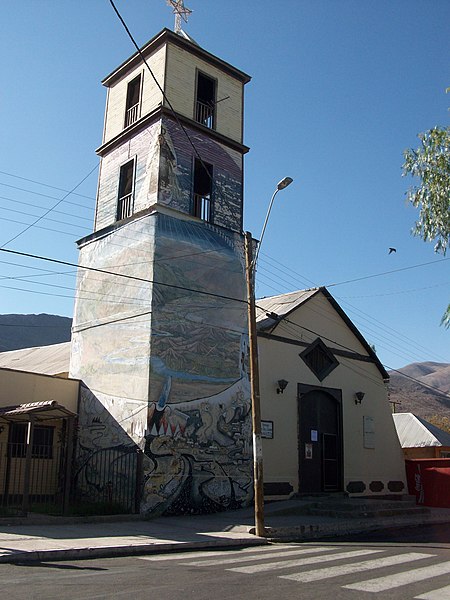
(42, 538)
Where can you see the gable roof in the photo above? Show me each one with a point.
(414, 432)
(272, 310)
(46, 360)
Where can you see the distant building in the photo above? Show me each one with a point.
(420, 439)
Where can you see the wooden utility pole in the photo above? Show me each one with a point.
(258, 479)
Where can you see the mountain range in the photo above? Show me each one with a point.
(422, 388)
(27, 331)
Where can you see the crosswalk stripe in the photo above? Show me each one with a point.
(177, 556)
(398, 579)
(441, 594)
(252, 557)
(367, 565)
(311, 560)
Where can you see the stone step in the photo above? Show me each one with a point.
(363, 506)
(375, 512)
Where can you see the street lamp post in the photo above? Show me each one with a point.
(250, 263)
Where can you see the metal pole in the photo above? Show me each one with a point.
(258, 479)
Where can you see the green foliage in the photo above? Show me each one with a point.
(430, 163)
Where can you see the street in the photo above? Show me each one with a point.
(343, 570)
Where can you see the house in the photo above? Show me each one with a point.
(37, 413)
(326, 418)
(420, 439)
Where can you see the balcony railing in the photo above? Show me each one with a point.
(204, 114)
(125, 207)
(202, 207)
(132, 115)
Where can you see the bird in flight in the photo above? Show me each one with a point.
(391, 250)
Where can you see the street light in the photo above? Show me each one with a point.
(281, 185)
(250, 264)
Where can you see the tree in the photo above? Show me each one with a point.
(430, 163)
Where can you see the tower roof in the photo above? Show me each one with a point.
(163, 37)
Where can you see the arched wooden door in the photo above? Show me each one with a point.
(320, 440)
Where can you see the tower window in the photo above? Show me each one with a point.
(133, 101)
(203, 177)
(205, 101)
(125, 199)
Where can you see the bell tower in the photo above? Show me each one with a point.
(160, 331)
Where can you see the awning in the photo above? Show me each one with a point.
(39, 411)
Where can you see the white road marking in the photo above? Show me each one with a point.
(367, 565)
(311, 560)
(253, 557)
(441, 594)
(184, 555)
(397, 580)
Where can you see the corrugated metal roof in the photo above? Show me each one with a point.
(414, 432)
(280, 305)
(44, 410)
(46, 360)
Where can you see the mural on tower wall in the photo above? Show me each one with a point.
(199, 425)
(166, 364)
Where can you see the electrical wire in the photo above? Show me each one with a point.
(170, 285)
(44, 185)
(179, 123)
(28, 227)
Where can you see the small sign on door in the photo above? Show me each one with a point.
(308, 450)
(314, 435)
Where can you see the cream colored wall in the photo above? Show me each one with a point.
(151, 95)
(19, 387)
(281, 361)
(181, 75)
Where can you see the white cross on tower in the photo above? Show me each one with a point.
(180, 11)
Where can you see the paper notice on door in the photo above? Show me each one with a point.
(308, 450)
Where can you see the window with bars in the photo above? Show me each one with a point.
(133, 101)
(126, 185)
(42, 443)
(202, 200)
(205, 102)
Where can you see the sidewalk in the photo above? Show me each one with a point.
(75, 538)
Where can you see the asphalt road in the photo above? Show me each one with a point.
(338, 570)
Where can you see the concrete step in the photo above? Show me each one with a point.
(373, 513)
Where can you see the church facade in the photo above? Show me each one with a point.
(160, 323)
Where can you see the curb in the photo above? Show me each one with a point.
(125, 550)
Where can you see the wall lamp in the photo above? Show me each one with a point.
(358, 397)
(282, 385)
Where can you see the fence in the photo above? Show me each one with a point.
(38, 487)
(107, 480)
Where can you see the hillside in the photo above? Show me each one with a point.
(26, 331)
(415, 396)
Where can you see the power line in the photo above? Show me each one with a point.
(284, 319)
(44, 185)
(60, 212)
(14, 187)
(179, 123)
(170, 285)
(432, 262)
(48, 210)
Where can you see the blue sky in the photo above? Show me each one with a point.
(339, 89)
